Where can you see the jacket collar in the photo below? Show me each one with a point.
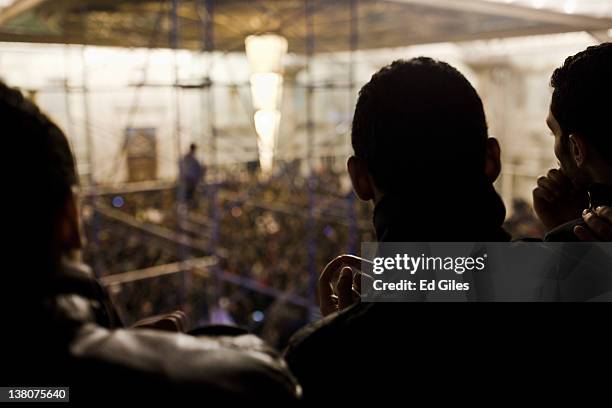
(599, 194)
(443, 214)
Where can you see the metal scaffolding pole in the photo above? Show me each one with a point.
(68, 104)
(353, 239)
(174, 40)
(89, 145)
(87, 120)
(181, 202)
(310, 135)
(208, 44)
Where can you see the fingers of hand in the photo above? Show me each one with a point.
(604, 212)
(560, 180)
(549, 188)
(327, 299)
(553, 186)
(345, 288)
(357, 283)
(542, 194)
(599, 226)
(584, 234)
(328, 273)
(180, 319)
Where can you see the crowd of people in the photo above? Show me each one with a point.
(422, 156)
(262, 224)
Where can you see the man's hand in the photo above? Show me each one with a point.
(174, 322)
(338, 294)
(599, 225)
(555, 200)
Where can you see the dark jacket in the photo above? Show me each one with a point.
(72, 337)
(375, 350)
(599, 194)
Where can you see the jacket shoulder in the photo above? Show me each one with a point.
(321, 340)
(225, 367)
(564, 232)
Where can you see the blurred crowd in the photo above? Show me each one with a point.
(274, 236)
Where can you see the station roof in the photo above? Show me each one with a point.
(378, 23)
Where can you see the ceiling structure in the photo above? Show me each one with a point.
(380, 24)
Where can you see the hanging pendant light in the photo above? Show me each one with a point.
(265, 55)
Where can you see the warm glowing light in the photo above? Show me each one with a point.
(266, 90)
(265, 52)
(265, 55)
(266, 125)
(569, 7)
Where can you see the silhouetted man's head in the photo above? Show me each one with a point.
(42, 203)
(193, 148)
(419, 124)
(580, 115)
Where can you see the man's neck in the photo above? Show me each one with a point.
(601, 174)
(476, 216)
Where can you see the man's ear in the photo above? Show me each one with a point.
(360, 178)
(69, 231)
(578, 149)
(492, 159)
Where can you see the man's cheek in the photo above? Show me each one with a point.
(558, 151)
(563, 156)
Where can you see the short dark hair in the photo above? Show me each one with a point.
(582, 89)
(46, 171)
(417, 120)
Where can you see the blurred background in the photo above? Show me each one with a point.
(237, 231)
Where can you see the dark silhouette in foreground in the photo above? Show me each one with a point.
(422, 155)
(60, 327)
